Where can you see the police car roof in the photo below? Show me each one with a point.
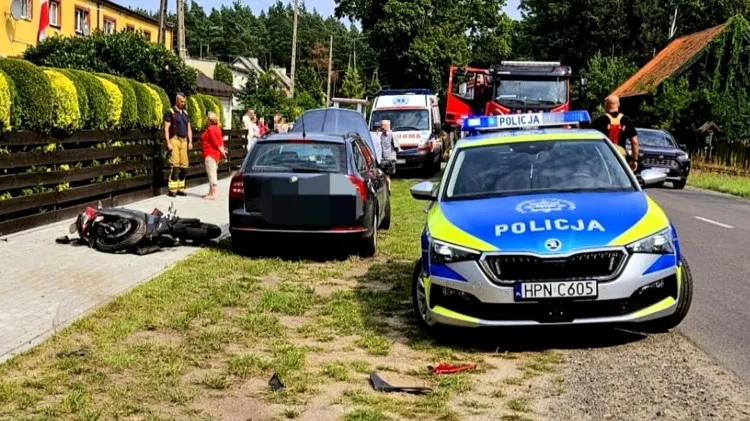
(530, 135)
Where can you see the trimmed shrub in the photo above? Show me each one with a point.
(67, 115)
(83, 95)
(32, 94)
(6, 102)
(156, 106)
(129, 116)
(145, 105)
(220, 109)
(114, 106)
(196, 113)
(211, 103)
(165, 102)
(100, 101)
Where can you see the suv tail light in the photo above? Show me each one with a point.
(237, 187)
(360, 185)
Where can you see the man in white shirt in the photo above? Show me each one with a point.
(250, 123)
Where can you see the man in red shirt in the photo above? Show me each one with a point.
(212, 146)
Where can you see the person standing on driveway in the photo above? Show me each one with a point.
(618, 128)
(178, 135)
(389, 147)
(212, 146)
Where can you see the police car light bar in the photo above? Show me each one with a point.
(525, 121)
(405, 92)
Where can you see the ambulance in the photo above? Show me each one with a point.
(415, 119)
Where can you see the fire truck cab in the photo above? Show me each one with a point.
(512, 87)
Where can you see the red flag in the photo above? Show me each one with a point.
(43, 21)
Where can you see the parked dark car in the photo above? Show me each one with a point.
(659, 150)
(337, 121)
(304, 185)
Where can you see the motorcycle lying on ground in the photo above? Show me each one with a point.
(125, 230)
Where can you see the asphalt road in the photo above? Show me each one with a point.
(714, 233)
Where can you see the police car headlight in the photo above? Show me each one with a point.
(659, 243)
(441, 252)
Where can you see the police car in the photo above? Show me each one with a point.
(534, 225)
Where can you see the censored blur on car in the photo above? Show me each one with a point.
(659, 151)
(300, 187)
(533, 227)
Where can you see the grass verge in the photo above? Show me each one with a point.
(734, 185)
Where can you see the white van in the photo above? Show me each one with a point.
(415, 116)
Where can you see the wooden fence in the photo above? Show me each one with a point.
(45, 179)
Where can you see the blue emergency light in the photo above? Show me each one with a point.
(525, 121)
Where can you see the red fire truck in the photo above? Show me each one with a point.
(512, 87)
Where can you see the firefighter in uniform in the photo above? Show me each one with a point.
(178, 136)
(619, 129)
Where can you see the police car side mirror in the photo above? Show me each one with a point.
(650, 177)
(424, 191)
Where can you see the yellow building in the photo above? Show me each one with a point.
(70, 18)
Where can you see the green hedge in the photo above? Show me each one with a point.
(99, 102)
(67, 114)
(196, 112)
(145, 105)
(165, 102)
(7, 93)
(34, 109)
(129, 116)
(82, 93)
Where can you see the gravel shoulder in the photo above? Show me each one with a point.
(658, 377)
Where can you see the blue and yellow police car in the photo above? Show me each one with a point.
(533, 223)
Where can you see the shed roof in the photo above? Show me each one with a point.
(209, 86)
(672, 60)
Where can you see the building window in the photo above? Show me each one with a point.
(110, 25)
(54, 13)
(26, 8)
(130, 28)
(82, 21)
(147, 34)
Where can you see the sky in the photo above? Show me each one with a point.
(324, 7)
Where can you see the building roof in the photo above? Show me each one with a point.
(209, 86)
(135, 13)
(671, 61)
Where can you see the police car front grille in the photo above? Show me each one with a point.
(660, 162)
(599, 265)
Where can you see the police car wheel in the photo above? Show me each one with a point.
(683, 306)
(419, 300)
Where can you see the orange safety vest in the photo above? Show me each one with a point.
(614, 128)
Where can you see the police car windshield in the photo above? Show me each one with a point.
(401, 120)
(536, 168)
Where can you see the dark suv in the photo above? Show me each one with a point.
(659, 150)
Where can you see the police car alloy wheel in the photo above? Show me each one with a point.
(419, 298)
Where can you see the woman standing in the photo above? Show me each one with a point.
(390, 148)
(212, 145)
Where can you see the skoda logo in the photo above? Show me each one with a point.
(293, 179)
(553, 244)
(400, 100)
(544, 205)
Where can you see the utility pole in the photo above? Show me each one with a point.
(181, 28)
(294, 48)
(330, 64)
(162, 17)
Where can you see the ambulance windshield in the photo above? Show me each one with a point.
(401, 120)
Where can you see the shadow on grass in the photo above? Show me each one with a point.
(380, 306)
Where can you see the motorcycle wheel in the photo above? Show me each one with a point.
(198, 233)
(134, 234)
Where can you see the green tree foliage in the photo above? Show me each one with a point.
(165, 102)
(264, 94)
(124, 54)
(308, 90)
(98, 103)
(422, 38)
(129, 116)
(145, 106)
(352, 86)
(223, 74)
(33, 109)
(604, 75)
(83, 95)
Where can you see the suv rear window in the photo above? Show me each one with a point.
(297, 157)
